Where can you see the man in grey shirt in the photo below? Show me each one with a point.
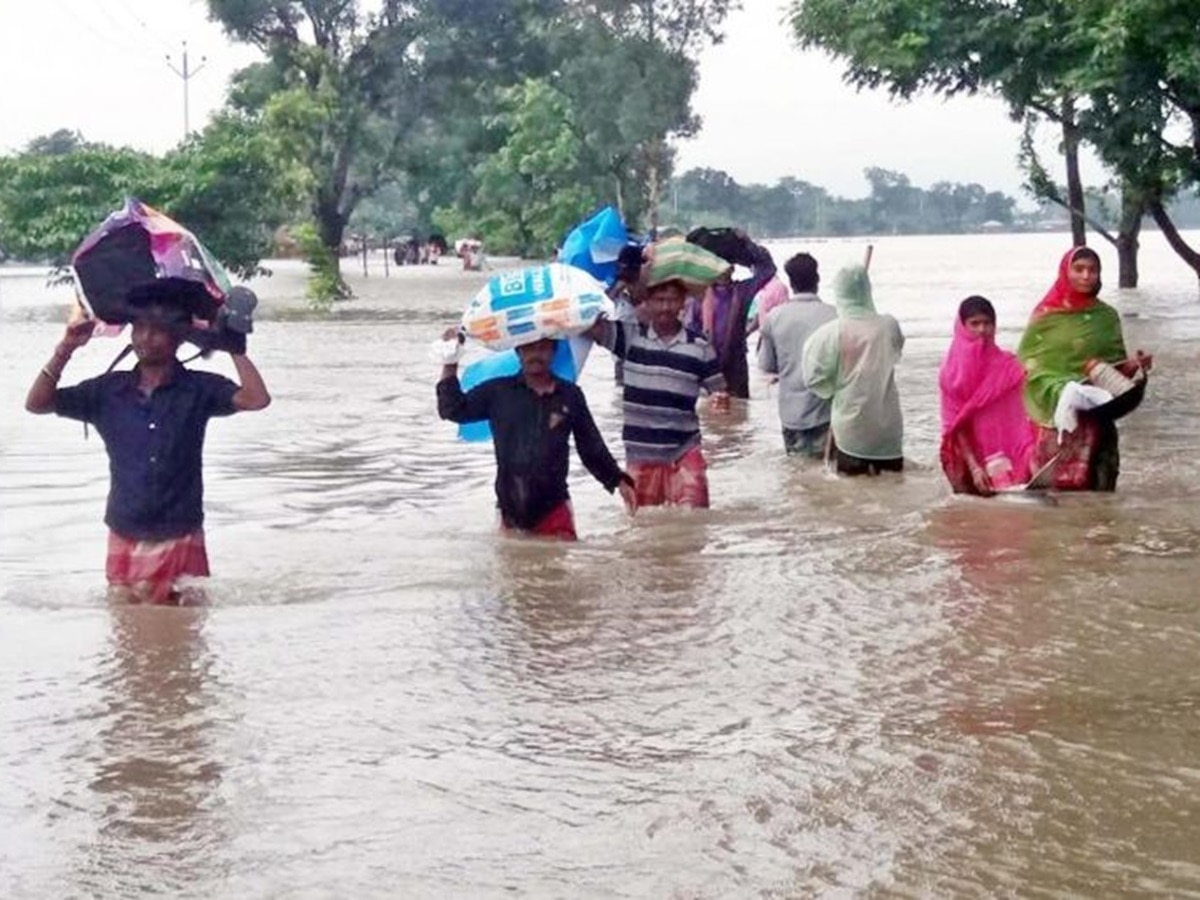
(804, 415)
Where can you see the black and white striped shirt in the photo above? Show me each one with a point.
(663, 378)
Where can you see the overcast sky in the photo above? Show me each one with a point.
(101, 67)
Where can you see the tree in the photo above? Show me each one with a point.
(57, 143)
(230, 186)
(628, 95)
(49, 203)
(535, 186)
(895, 203)
(326, 93)
(358, 97)
(670, 30)
(1020, 48)
(224, 184)
(1142, 87)
(712, 190)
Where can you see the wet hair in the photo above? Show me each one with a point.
(976, 306)
(629, 260)
(170, 303)
(802, 273)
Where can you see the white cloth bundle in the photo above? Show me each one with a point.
(1077, 396)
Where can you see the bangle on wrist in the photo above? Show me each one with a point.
(51, 374)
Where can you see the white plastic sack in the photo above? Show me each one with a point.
(550, 301)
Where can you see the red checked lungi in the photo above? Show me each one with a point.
(151, 568)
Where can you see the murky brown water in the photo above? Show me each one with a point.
(819, 687)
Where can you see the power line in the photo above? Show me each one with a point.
(158, 38)
(117, 37)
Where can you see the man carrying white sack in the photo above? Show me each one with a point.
(532, 414)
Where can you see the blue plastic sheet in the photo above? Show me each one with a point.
(594, 244)
(566, 364)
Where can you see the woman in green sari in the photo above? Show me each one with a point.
(1069, 332)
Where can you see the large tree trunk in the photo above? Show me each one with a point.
(1133, 207)
(331, 226)
(1174, 238)
(1075, 198)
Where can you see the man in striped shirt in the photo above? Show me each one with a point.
(666, 365)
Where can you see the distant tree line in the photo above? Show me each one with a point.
(795, 207)
(792, 207)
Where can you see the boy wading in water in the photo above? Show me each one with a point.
(532, 415)
(153, 421)
(666, 365)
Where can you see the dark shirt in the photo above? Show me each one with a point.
(155, 445)
(730, 317)
(530, 432)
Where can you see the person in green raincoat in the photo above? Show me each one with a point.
(1068, 332)
(851, 361)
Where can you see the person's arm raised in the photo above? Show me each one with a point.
(40, 399)
(252, 392)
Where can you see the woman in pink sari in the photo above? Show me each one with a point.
(987, 438)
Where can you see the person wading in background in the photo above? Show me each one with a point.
(803, 414)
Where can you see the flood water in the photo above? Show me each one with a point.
(819, 687)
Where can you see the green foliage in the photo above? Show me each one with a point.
(326, 98)
(681, 26)
(56, 144)
(48, 203)
(388, 214)
(436, 101)
(230, 186)
(533, 188)
(325, 284)
(628, 96)
(225, 184)
(791, 207)
(1122, 75)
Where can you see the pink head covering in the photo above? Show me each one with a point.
(774, 293)
(981, 393)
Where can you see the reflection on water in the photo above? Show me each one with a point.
(156, 775)
(819, 686)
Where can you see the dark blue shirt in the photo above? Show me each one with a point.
(155, 445)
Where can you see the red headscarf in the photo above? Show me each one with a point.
(1061, 297)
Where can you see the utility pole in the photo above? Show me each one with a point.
(186, 74)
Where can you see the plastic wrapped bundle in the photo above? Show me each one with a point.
(519, 307)
(135, 245)
(678, 260)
